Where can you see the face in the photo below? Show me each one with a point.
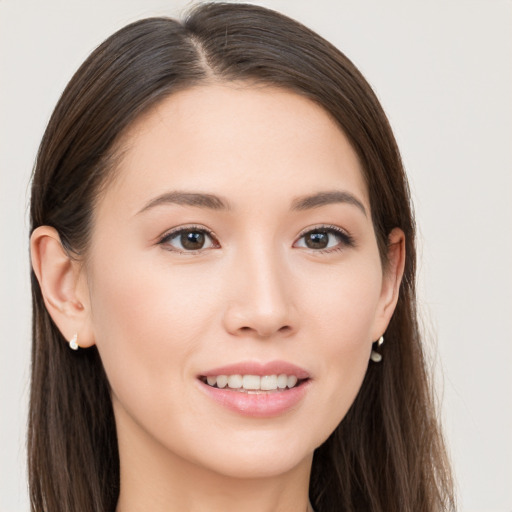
(235, 240)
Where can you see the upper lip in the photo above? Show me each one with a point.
(258, 368)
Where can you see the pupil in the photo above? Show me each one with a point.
(192, 240)
(317, 240)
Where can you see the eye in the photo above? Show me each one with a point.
(324, 238)
(189, 239)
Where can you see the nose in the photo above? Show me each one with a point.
(261, 302)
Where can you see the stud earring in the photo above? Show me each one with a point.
(375, 356)
(73, 342)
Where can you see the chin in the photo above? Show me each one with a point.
(265, 465)
(256, 454)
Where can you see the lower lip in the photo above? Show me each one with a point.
(262, 405)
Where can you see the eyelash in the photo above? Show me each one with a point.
(184, 229)
(346, 240)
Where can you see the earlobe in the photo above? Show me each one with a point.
(59, 279)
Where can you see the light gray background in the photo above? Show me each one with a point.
(443, 71)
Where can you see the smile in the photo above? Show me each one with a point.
(253, 383)
(257, 389)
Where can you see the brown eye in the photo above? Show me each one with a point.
(191, 239)
(324, 238)
(316, 240)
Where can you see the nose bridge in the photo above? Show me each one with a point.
(261, 302)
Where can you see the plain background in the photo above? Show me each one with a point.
(443, 71)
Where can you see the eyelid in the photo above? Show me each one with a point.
(324, 227)
(162, 239)
(347, 238)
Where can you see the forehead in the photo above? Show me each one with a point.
(238, 141)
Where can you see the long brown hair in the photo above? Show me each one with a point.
(387, 454)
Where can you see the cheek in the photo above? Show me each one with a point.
(344, 303)
(145, 329)
(345, 310)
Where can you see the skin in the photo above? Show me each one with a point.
(161, 315)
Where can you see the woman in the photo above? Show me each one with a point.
(223, 282)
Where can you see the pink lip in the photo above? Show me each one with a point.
(262, 405)
(256, 368)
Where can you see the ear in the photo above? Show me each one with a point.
(392, 277)
(63, 285)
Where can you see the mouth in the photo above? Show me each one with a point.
(255, 389)
(254, 384)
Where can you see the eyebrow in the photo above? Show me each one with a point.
(326, 198)
(198, 200)
(213, 202)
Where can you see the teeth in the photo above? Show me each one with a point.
(292, 380)
(268, 382)
(253, 382)
(282, 381)
(222, 381)
(235, 381)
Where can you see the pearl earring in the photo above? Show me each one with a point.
(73, 342)
(375, 356)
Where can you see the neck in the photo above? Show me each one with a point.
(153, 478)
